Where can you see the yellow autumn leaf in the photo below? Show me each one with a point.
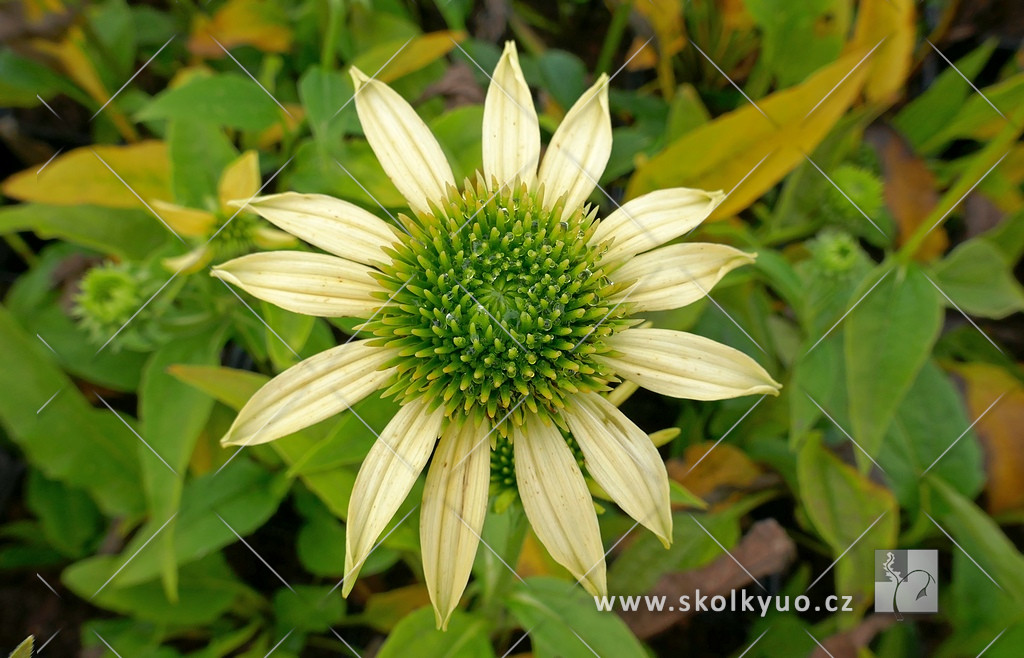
(720, 154)
(256, 23)
(419, 52)
(893, 21)
(107, 175)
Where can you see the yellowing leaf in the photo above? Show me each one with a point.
(256, 23)
(999, 431)
(240, 180)
(894, 21)
(81, 177)
(719, 154)
(722, 469)
(420, 52)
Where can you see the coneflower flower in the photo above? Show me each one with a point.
(501, 309)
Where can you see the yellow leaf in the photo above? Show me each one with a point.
(420, 52)
(240, 180)
(999, 431)
(911, 194)
(725, 468)
(188, 222)
(894, 21)
(256, 23)
(719, 154)
(385, 609)
(81, 177)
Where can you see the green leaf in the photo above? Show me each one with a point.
(286, 334)
(199, 151)
(416, 635)
(563, 621)
(563, 75)
(126, 233)
(819, 26)
(931, 420)
(976, 118)
(980, 537)
(70, 520)
(842, 503)
(323, 94)
(21, 79)
(172, 414)
(928, 113)
(242, 495)
(977, 279)
(206, 590)
(225, 99)
(459, 133)
(66, 439)
(309, 608)
(896, 325)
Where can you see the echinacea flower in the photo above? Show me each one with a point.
(221, 231)
(498, 309)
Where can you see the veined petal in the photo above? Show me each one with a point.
(303, 282)
(623, 460)
(676, 275)
(684, 365)
(653, 219)
(187, 222)
(579, 149)
(388, 473)
(240, 179)
(511, 132)
(557, 502)
(403, 144)
(336, 226)
(454, 508)
(310, 391)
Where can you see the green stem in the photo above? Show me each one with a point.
(620, 18)
(334, 19)
(20, 247)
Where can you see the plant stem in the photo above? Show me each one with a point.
(334, 18)
(620, 18)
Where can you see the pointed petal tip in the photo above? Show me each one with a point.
(358, 77)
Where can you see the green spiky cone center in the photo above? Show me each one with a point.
(497, 305)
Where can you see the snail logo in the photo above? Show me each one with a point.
(906, 581)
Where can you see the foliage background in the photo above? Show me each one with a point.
(872, 155)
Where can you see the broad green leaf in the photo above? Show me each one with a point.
(563, 74)
(386, 609)
(976, 279)
(820, 26)
(309, 608)
(458, 132)
(22, 79)
(416, 635)
(563, 621)
(720, 154)
(199, 152)
(102, 175)
(172, 414)
(976, 118)
(321, 545)
(930, 421)
(315, 171)
(888, 337)
(126, 233)
(65, 438)
(225, 99)
(842, 503)
(206, 590)
(286, 334)
(982, 539)
(69, 519)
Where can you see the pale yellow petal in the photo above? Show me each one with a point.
(339, 227)
(240, 179)
(189, 262)
(271, 238)
(676, 275)
(557, 502)
(454, 508)
(684, 365)
(303, 282)
(186, 222)
(653, 219)
(387, 475)
(511, 132)
(403, 143)
(310, 391)
(623, 460)
(579, 150)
